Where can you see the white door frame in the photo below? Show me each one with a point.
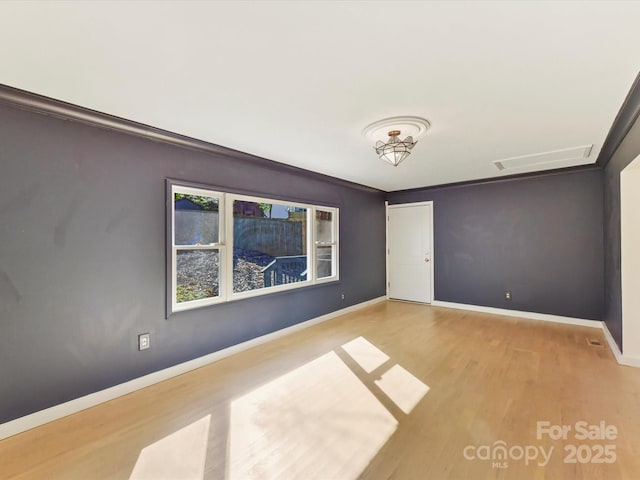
(630, 258)
(413, 204)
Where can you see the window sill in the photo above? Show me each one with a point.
(256, 295)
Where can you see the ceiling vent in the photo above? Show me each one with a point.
(554, 159)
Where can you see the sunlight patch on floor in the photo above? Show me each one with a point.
(180, 455)
(398, 384)
(318, 421)
(403, 388)
(368, 356)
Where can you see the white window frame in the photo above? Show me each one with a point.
(276, 288)
(334, 243)
(225, 247)
(220, 246)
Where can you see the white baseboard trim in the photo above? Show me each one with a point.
(517, 313)
(47, 415)
(620, 357)
(630, 361)
(612, 343)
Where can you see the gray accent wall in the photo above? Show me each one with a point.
(82, 257)
(541, 238)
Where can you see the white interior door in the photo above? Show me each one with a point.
(409, 249)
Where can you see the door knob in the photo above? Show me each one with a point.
(427, 259)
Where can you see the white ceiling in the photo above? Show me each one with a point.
(296, 82)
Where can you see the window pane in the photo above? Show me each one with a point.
(324, 226)
(197, 274)
(270, 245)
(324, 261)
(196, 219)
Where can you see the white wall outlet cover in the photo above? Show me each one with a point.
(144, 341)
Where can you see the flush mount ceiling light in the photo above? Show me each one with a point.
(393, 150)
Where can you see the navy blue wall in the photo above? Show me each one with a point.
(539, 237)
(82, 258)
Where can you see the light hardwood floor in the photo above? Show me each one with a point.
(393, 391)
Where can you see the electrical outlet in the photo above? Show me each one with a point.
(144, 341)
(507, 295)
(342, 296)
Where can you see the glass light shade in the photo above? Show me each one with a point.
(395, 150)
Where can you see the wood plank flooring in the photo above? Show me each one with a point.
(393, 391)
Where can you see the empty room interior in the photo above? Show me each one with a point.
(319, 240)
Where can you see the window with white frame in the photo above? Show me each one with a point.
(326, 242)
(198, 247)
(226, 247)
